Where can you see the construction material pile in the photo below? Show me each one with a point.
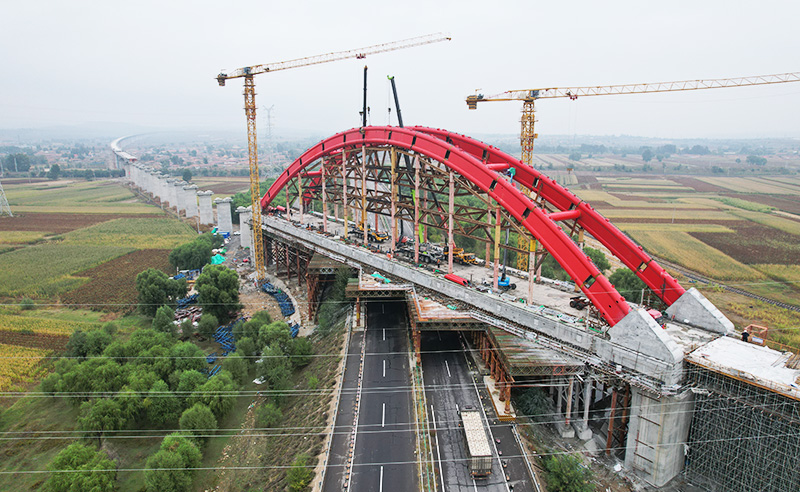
(224, 335)
(285, 303)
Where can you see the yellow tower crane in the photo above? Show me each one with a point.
(250, 112)
(529, 96)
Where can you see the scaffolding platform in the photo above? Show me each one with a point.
(750, 363)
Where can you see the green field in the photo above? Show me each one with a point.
(44, 270)
(150, 233)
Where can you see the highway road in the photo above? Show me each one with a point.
(384, 457)
(450, 385)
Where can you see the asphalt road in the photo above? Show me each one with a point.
(384, 457)
(450, 385)
(340, 445)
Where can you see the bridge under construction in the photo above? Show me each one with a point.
(681, 394)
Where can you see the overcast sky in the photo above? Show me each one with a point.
(153, 63)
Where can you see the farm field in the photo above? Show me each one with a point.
(152, 233)
(19, 365)
(223, 186)
(742, 231)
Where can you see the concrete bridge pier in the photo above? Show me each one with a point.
(206, 211)
(224, 221)
(246, 229)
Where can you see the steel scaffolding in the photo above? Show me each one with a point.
(743, 437)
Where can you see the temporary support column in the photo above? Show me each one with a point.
(417, 237)
(324, 198)
(570, 389)
(393, 210)
(450, 243)
(344, 192)
(363, 222)
(610, 435)
(584, 432)
(300, 195)
(496, 247)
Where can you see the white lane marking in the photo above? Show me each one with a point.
(475, 485)
(383, 415)
(448, 369)
(438, 448)
(384, 334)
(384, 367)
(380, 487)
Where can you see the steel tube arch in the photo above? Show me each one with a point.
(629, 253)
(610, 304)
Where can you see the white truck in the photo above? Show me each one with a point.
(479, 453)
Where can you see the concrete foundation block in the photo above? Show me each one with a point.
(584, 433)
(694, 309)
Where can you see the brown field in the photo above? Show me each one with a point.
(58, 223)
(35, 340)
(113, 284)
(755, 243)
(700, 186)
(787, 203)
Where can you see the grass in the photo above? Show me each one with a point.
(745, 185)
(744, 204)
(636, 226)
(49, 326)
(32, 414)
(785, 225)
(666, 212)
(44, 270)
(19, 365)
(683, 249)
(21, 237)
(150, 233)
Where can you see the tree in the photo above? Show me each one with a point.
(188, 357)
(567, 473)
(302, 349)
(276, 370)
(101, 416)
(647, 155)
(218, 287)
(575, 156)
(54, 172)
(207, 325)
(598, 258)
(246, 347)
(187, 175)
(218, 393)
(162, 322)
(628, 284)
(269, 415)
(276, 332)
(191, 256)
(170, 469)
(17, 162)
(100, 474)
(161, 406)
(300, 474)
(198, 421)
(756, 160)
(188, 382)
(156, 289)
(237, 366)
(251, 327)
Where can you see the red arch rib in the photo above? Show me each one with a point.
(631, 254)
(611, 306)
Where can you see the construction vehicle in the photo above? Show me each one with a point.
(372, 235)
(248, 74)
(479, 453)
(504, 283)
(578, 302)
(462, 257)
(529, 96)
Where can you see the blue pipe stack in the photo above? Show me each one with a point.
(285, 303)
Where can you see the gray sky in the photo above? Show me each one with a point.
(153, 63)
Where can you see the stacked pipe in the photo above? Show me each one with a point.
(285, 303)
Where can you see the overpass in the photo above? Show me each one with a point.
(618, 379)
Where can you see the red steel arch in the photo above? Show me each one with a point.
(609, 303)
(631, 254)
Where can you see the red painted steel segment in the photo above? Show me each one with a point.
(611, 306)
(631, 254)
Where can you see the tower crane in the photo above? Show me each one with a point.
(529, 96)
(250, 112)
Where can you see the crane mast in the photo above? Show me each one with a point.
(248, 73)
